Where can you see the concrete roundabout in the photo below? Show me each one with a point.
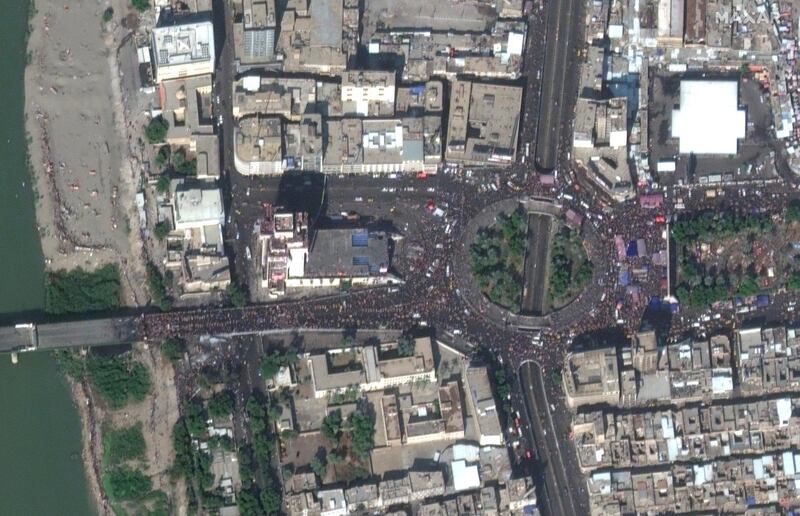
(535, 313)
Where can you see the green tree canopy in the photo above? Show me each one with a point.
(78, 290)
(156, 130)
(220, 405)
(119, 380)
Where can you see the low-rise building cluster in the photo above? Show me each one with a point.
(190, 214)
(689, 426)
(303, 102)
(437, 448)
(682, 85)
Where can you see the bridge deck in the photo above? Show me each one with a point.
(90, 332)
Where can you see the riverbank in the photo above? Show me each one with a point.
(156, 414)
(91, 444)
(79, 144)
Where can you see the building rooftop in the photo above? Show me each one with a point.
(254, 37)
(709, 120)
(483, 122)
(465, 477)
(258, 145)
(185, 46)
(198, 206)
(348, 253)
(592, 377)
(484, 405)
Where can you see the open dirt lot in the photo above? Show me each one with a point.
(79, 144)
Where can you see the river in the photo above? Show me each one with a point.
(40, 441)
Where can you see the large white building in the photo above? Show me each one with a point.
(709, 120)
(183, 50)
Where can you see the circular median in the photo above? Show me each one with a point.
(522, 261)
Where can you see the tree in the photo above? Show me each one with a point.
(163, 155)
(158, 288)
(162, 184)
(119, 380)
(141, 5)
(793, 211)
(161, 230)
(405, 346)
(128, 484)
(108, 14)
(236, 295)
(123, 444)
(319, 465)
(270, 500)
(220, 405)
(71, 363)
(78, 290)
(173, 349)
(156, 130)
(361, 425)
(332, 426)
(195, 419)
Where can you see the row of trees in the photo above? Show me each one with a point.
(497, 257)
(260, 494)
(125, 482)
(713, 225)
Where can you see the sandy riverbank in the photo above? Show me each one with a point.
(79, 143)
(85, 173)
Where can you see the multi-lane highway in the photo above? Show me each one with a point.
(534, 299)
(563, 20)
(561, 495)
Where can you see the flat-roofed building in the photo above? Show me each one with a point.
(254, 35)
(600, 142)
(183, 50)
(317, 37)
(368, 93)
(206, 272)
(289, 97)
(258, 145)
(302, 143)
(426, 484)
(483, 406)
(186, 105)
(591, 377)
(709, 120)
(283, 239)
(197, 207)
(373, 145)
(483, 123)
(371, 368)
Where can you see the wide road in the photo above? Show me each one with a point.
(561, 28)
(535, 281)
(559, 499)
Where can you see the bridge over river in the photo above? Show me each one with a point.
(145, 326)
(89, 332)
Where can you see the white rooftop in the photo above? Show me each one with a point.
(709, 120)
(198, 207)
(465, 477)
(184, 43)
